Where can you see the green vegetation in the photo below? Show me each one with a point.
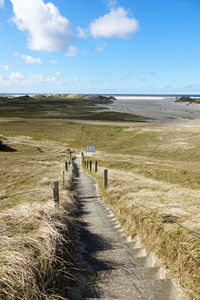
(79, 107)
(188, 99)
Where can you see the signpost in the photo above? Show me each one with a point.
(90, 148)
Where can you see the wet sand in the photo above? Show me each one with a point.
(159, 109)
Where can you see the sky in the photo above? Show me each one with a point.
(100, 46)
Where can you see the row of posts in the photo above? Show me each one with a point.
(56, 184)
(88, 165)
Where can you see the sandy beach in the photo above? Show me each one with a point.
(159, 109)
(131, 98)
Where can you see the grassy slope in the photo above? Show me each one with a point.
(158, 166)
(31, 229)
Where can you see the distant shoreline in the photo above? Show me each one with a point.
(120, 96)
(126, 98)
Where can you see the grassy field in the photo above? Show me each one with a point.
(154, 177)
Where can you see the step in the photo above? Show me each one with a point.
(119, 288)
(102, 240)
(138, 252)
(138, 273)
(117, 259)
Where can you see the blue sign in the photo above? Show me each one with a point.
(90, 148)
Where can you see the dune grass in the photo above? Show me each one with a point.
(36, 238)
(151, 167)
(153, 185)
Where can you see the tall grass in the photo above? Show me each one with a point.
(154, 165)
(150, 208)
(36, 239)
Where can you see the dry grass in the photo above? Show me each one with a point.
(35, 237)
(156, 166)
(149, 193)
(136, 200)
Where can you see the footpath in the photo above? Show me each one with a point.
(113, 267)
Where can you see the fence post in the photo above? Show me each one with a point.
(90, 165)
(56, 193)
(87, 164)
(63, 178)
(105, 178)
(96, 166)
(66, 166)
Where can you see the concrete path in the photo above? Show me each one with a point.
(114, 268)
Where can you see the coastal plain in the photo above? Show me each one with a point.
(152, 162)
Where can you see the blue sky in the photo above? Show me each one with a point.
(100, 46)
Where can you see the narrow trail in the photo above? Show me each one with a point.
(115, 268)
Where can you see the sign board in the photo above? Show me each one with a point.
(90, 148)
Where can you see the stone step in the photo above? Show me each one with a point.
(121, 288)
(138, 273)
(117, 259)
(138, 252)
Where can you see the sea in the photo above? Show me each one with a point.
(123, 95)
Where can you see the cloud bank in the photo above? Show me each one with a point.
(48, 30)
(115, 24)
(17, 79)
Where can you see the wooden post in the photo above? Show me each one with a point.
(105, 178)
(96, 166)
(66, 166)
(90, 165)
(63, 178)
(56, 193)
(87, 164)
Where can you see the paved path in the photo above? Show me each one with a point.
(115, 268)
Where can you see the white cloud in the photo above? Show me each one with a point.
(72, 51)
(16, 76)
(5, 67)
(53, 62)
(31, 60)
(48, 30)
(17, 79)
(115, 24)
(2, 3)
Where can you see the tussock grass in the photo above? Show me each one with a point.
(153, 185)
(156, 166)
(149, 209)
(36, 238)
